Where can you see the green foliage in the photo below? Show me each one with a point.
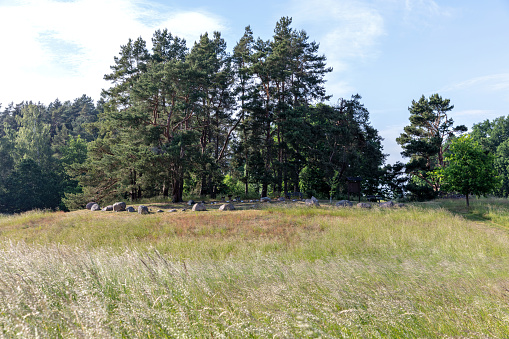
(30, 186)
(178, 119)
(469, 169)
(493, 136)
(426, 140)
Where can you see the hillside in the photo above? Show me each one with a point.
(430, 270)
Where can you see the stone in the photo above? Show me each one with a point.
(227, 207)
(344, 203)
(190, 202)
(95, 207)
(311, 202)
(265, 199)
(142, 209)
(172, 211)
(363, 205)
(90, 204)
(183, 210)
(199, 207)
(160, 211)
(108, 208)
(387, 204)
(400, 205)
(281, 199)
(130, 209)
(119, 206)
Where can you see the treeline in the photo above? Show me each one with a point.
(199, 121)
(37, 146)
(203, 121)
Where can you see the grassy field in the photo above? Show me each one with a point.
(424, 271)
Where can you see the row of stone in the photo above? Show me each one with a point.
(346, 203)
(122, 207)
(386, 204)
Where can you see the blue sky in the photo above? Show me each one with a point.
(388, 51)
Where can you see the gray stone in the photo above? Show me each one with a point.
(400, 205)
(119, 206)
(95, 207)
(265, 199)
(183, 210)
(142, 209)
(90, 204)
(130, 209)
(363, 205)
(108, 208)
(199, 207)
(227, 207)
(160, 211)
(387, 204)
(344, 203)
(172, 211)
(312, 202)
(190, 202)
(281, 199)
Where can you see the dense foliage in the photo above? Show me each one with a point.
(37, 145)
(425, 141)
(203, 121)
(199, 121)
(469, 169)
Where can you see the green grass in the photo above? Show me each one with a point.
(432, 270)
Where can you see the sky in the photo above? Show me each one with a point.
(389, 51)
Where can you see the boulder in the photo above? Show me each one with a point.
(363, 205)
(190, 202)
(90, 204)
(387, 204)
(312, 202)
(183, 210)
(199, 207)
(108, 208)
(227, 207)
(400, 205)
(119, 206)
(281, 199)
(172, 211)
(95, 207)
(142, 209)
(265, 199)
(159, 211)
(344, 203)
(130, 209)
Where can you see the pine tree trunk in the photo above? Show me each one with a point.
(177, 190)
(265, 188)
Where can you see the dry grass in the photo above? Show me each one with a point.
(279, 272)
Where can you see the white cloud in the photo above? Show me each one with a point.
(492, 82)
(424, 13)
(353, 29)
(54, 48)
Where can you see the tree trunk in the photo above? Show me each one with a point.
(204, 190)
(265, 188)
(177, 190)
(165, 190)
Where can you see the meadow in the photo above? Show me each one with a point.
(427, 270)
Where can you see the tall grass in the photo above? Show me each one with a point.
(280, 272)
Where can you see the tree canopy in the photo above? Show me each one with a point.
(469, 169)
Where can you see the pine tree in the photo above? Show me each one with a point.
(426, 139)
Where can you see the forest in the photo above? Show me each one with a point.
(257, 121)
